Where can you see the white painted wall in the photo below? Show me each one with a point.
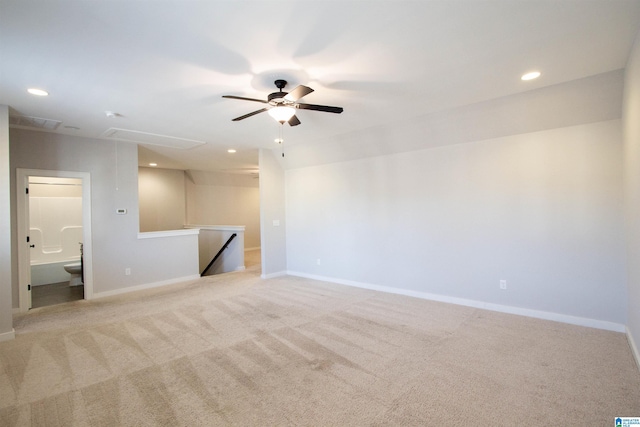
(6, 276)
(541, 210)
(272, 215)
(114, 184)
(162, 199)
(589, 100)
(631, 122)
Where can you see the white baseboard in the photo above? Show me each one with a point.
(144, 286)
(241, 268)
(563, 318)
(8, 336)
(273, 275)
(634, 348)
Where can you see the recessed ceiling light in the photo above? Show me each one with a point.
(231, 150)
(37, 92)
(153, 165)
(531, 75)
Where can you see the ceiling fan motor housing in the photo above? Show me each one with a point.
(276, 98)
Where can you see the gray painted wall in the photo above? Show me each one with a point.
(172, 198)
(6, 316)
(541, 210)
(162, 199)
(114, 184)
(220, 203)
(631, 121)
(272, 208)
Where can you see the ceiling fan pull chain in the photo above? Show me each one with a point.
(281, 139)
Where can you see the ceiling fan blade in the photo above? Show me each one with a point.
(298, 93)
(294, 121)
(325, 108)
(243, 98)
(250, 114)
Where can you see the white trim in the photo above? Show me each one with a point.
(556, 317)
(634, 348)
(274, 275)
(241, 268)
(252, 249)
(168, 233)
(217, 227)
(8, 336)
(145, 286)
(24, 266)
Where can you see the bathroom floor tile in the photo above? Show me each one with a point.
(55, 293)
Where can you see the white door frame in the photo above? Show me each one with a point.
(24, 264)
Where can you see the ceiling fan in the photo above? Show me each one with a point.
(282, 105)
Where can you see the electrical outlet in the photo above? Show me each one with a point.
(127, 272)
(503, 284)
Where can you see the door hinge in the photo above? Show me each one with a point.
(26, 190)
(28, 287)
(27, 239)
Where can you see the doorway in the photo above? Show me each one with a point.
(54, 237)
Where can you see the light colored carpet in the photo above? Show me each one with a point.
(237, 350)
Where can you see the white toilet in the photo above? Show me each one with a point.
(75, 270)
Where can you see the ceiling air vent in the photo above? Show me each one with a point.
(151, 138)
(28, 122)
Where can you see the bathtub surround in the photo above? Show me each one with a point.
(237, 350)
(55, 227)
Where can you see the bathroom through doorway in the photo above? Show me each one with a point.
(55, 231)
(54, 219)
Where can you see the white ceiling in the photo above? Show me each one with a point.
(163, 66)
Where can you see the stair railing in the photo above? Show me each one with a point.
(233, 236)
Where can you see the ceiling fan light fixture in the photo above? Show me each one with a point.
(282, 114)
